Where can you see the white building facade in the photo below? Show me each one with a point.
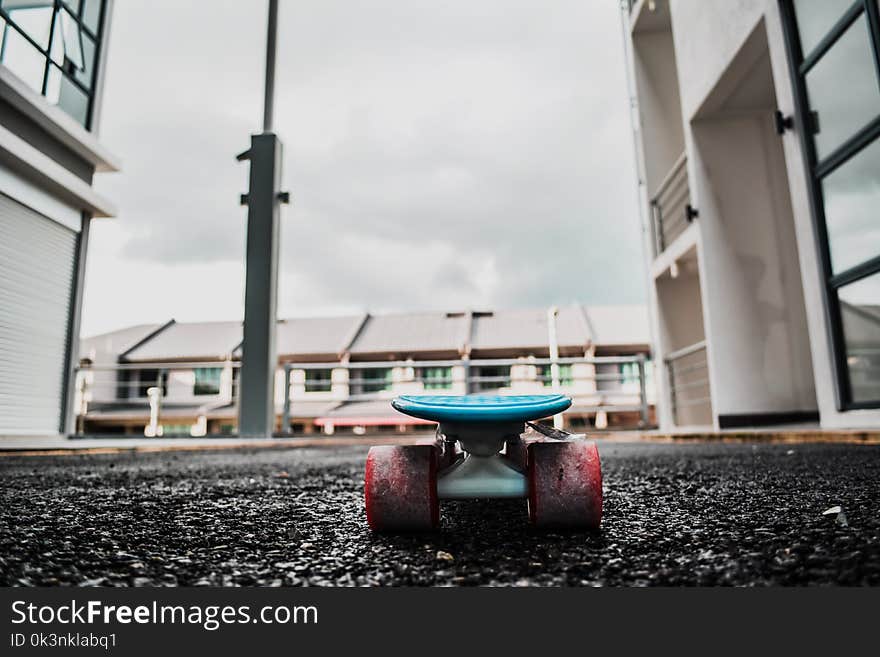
(51, 78)
(757, 126)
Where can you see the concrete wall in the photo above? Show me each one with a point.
(758, 332)
(759, 275)
(659, 103)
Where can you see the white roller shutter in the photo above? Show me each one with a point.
(36, 279)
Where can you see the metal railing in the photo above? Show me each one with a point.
(689, 391)
(671, 209)
(157, 395)
(594, 389)
(153, 391)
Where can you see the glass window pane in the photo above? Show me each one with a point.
(852, 199)
(53, 85)
(491, 378)
(20, 57)
(74, 6)
(318, 380)
(85, 74)
(545, 375)
(72, 100)
(34, 17)
(815, 18)
(436, 378)
(73, 43)
(207, 380)
(91, 14)
(842, 88)
(860, 312)
(56, 50)
(372, 380)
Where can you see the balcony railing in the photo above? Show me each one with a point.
(671, 209)
(689, 391)
(160, 394)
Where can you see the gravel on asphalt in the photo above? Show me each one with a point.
(675, 514)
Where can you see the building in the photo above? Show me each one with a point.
(339, 373)
(757, 127)
(52, 56)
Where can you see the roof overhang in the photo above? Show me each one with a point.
(31, 163)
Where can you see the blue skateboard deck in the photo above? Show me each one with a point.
(481, 408)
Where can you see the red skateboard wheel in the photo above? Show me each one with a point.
(565, 484)
(400, 488)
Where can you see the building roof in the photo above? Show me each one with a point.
(188, 341)
(107, 347)
(528, 328)
(619, 325)
(408, 333)
(305, 336)
(394, 335)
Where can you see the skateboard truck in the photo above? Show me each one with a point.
(486, 447)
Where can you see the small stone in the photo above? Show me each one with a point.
(98, 581)
(444, 556)
(838, 514)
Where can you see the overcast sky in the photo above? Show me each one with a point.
(440, 155)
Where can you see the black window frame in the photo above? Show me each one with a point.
(369, 381)
(203, 388)
(545, 375)
(430, 380)
(817, 170)
(149, 378)
(491, 377)
(318, 380)
(97, 37)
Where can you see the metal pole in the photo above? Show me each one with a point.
(285, 417)
(673, 405)
(552, 313)
(643, 390)
(259, 360)
(269, 97)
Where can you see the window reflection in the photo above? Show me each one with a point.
(91, 14)
(860, 311)
(815, 19)
(20, 57)
(852, 199)
(842, 88)
(71, 36)
(34, 17)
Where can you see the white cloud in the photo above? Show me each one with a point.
(439, 154)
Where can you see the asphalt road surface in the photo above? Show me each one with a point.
(695, 514)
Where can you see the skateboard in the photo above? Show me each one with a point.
(487, 447)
